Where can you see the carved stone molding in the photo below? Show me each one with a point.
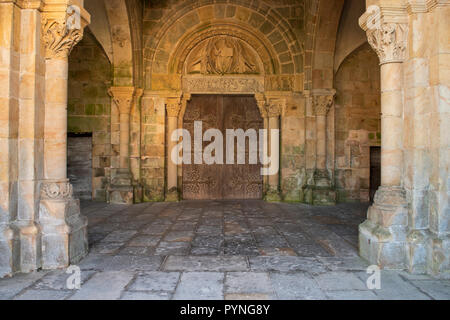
(58, 39)
(389, 42)
(223, 84)
(123, 98)
(322, 102)
(51, 190)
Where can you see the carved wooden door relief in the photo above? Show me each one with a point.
(217, 181)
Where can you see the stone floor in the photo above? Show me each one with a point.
(223, 250)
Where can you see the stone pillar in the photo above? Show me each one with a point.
(274, 107)
(9, 114)
(173, 107)
(135, 145)
(383, 235)
(323, 192)
(64, 230)
(121, 189)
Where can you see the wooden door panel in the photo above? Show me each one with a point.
(219, 181)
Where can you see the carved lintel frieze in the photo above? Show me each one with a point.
(123, 98)
(56, 190)
(322, 102)
(223, 84)
(59, 40)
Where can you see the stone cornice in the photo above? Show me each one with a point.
(423, 6)
(123, 98)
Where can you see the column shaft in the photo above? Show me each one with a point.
(55, 133)
(391, 124)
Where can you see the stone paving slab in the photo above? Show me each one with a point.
(200, 286)
(286, 264)
(104, 286)
(205, 263)
(296, 286)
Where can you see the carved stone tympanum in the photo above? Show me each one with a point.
(222, 55)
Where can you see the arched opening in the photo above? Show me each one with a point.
(89, 113)
(358, 126)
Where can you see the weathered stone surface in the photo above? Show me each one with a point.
(218, 263)
(200, 286)
(104, 286)
(296, 286)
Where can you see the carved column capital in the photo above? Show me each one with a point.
(323, 102)
(261, 102)
(56, 190)
(389, 42)
(59, 40)
(387, 32)
(275, 106)
(173, 107)
(123, 98)
(62, 26)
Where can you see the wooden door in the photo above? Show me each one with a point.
(222, 181)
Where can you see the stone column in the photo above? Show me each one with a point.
(383, 235)
(274, 107)
(323, 192)
(121, 190)
(173, 107)
(135, 145)
(64, 230)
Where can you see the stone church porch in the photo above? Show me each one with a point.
(223, 250)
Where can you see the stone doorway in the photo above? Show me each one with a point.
(223, 181)
(79, 164)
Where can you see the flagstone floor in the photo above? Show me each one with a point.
(223, 250)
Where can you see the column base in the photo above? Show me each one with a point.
(9, 252)
(321, 193)
(121, 190)
(29, 235)
(63, 228)
(272, 195)
(428, 253)
(172, 195)
(382, 237)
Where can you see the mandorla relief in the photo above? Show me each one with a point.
(222, 55)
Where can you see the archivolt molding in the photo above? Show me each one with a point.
(155, 43)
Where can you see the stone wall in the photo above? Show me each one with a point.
(89, 107)
(358, 124)
(293, 150)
